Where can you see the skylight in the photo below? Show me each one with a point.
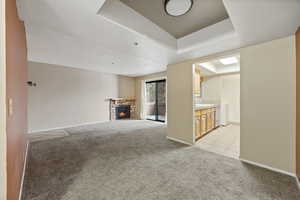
(229, 61)
(208, 66)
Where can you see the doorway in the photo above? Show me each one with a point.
(155, 104)
(217, 105)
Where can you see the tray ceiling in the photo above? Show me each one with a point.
(203, 13)
(73, 33)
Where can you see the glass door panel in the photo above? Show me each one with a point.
(155, 105)
(150, 104)
(161, 100)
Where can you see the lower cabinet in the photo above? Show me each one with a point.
(197, 127)
(204, 121)
(203, 124)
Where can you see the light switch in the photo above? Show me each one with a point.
(10, 107)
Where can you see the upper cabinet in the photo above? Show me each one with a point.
(197, 81)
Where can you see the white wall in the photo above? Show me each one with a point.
(231, 95)
(223, 89)
(66, 96)
(211, 90)
(2, 103)
(268, 104)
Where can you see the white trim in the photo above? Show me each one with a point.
(178, 140)
(3, 139)
(268, 167)
(24, 171)
(234, 123)
(193, 101)
(64, 127)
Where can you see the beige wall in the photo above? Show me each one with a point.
(139, 82)
(268, 105)
(2, 103)
(66, 96)
(180, 102)
(126, 87)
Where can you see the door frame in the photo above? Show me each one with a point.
(297, 40)
(156, 98)
(3, 169)
(161, 78)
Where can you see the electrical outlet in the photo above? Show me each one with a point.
(10, 107)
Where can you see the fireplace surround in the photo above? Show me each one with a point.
(122, 108)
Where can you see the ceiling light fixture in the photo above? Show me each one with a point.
(229, 61)
(177, 8)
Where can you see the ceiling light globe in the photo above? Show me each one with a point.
(178, 7)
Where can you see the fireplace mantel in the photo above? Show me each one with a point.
(114, 102)
(120, 99)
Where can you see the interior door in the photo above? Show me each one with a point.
(155, 105)
(16, 100)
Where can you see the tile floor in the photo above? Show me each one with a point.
(223, 140)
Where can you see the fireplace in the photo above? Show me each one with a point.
(122, 108)
(122, 112)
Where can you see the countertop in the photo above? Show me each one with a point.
(204, 106)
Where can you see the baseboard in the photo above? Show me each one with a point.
(268, 167)
(178, 140)
(24, 171)
(65, 127)
(235, 123)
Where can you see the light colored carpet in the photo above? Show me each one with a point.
(133, 160)
(47, 135)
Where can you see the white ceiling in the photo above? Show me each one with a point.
(75, 33)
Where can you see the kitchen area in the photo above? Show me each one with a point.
(216, 97)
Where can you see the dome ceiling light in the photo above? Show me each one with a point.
(177, 8)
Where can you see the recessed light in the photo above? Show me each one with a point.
(113, 63)
(229, 61)
(177, 8)
(136, 43)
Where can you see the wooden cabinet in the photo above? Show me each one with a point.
(211, 119)
(205, 121)
(197, 81)
(203, 128)
(198, 127)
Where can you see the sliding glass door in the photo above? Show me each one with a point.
(155, 105)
